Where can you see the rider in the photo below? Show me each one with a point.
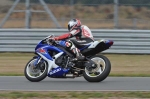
(83, 37)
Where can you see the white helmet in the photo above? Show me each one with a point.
(73, 23)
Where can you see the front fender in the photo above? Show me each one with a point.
(34, 57)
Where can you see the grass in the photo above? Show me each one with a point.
(129, 65)
(12, 64)
(73, 95)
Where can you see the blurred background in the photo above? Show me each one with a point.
(24, 23)
(97, 14)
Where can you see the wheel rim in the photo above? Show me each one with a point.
(99, 69)
(34, 73)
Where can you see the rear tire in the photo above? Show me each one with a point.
(32, 77)
(104, 71)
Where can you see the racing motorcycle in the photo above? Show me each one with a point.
(54, 60)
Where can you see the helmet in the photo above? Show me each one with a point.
(73, 23)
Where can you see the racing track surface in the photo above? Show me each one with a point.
(77, 84)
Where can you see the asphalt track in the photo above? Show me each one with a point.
(20, 83)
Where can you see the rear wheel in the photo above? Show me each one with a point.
(33, 73)
(100, 72)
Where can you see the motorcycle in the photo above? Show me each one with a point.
(54, 60)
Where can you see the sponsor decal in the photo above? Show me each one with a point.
(55, 71)
(42, 51)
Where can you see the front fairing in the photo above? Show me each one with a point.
(40, 44)
(44, 49)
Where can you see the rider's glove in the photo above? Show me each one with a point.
(62, 37)
(54, 38)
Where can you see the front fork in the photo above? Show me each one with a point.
(37, 61)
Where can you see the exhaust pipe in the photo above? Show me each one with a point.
(70, 76)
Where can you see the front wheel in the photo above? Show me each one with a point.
(100, 72)
(33, 73)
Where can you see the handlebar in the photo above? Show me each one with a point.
(49, 40)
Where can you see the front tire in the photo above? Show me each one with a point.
(100, 72)
(35, 75)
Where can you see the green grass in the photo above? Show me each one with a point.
(73, 95)
(13, 64)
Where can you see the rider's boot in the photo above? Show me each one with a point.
(79, 56)
(76, 51)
